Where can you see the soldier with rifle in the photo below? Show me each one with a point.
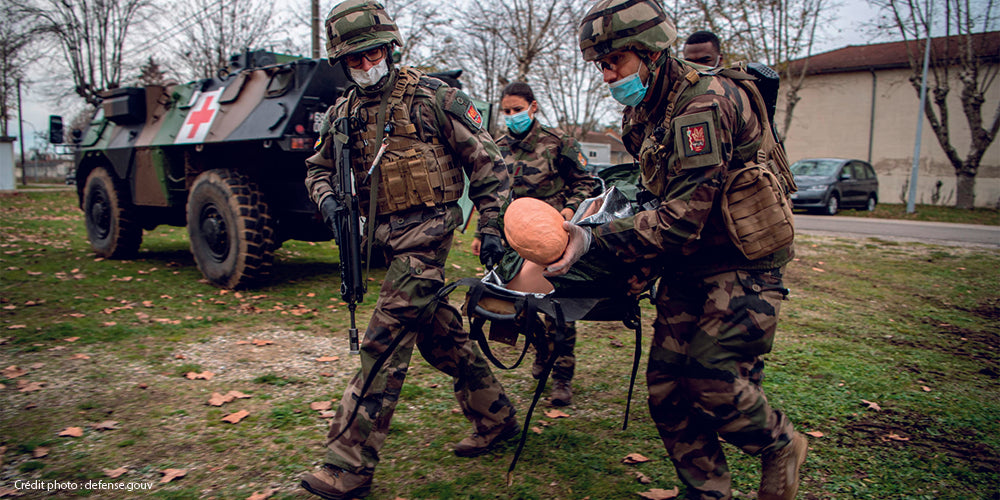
(394, 153)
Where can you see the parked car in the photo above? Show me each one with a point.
(829, 184)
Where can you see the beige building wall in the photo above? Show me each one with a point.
(835, 118)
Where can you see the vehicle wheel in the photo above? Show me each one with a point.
(871, 203)
(230, 228)
(110, 219)
(832, 205)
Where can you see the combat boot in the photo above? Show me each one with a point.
(537, 367)
(477, 444)
(780, 477)
(334, 483)
(562, 394)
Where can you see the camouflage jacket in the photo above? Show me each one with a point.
(439, 112)
(685, 158)
(548, 165)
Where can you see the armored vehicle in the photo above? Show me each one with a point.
(223, 156)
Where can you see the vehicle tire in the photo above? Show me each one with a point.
(110, 219)
(230, 228)
(870, 206)
(832, 205)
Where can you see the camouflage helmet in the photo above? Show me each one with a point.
(357, 25)
(613, 25)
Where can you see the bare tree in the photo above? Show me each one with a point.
(525, 28)
(773, 32)
(213, 30)
(91, 36)
(959, 56)
(16, 33)
(572, 88)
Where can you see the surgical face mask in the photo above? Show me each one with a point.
(518, 123)
(372, 76)
(629, 90)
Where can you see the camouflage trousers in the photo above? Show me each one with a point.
(565, 364)
(416, 244)
(705, 372)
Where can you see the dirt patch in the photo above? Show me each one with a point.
(911, 434)
(241, 356)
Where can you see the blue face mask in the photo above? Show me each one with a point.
(629, 90)
(518, 123)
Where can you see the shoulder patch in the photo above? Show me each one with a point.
(463, 107)
(696, 140)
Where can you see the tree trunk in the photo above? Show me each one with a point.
(965, 189)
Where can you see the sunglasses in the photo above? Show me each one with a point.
(373, 55)
(610, 62)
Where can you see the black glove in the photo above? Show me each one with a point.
(328, 208)
(491, 250)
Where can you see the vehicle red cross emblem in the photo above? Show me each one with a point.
(199, 119)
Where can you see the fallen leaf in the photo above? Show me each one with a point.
(16, 327)
(925, 388)
(659, 494)
(815, 434)
(36, 366)
(107, 425)
(113, 473)
(72, 339)
(259, 342)
(13, 371)
(261, 495)
(555, 414)
(25, 386)
(326, 359)
(218, 399)
(79, 355)
(642, 478)
(40, 452)
(536, 430)
(171, 474)
(818, 270)
(634, 458)
(327, 414)
(235, 417)
(896, 437)
(72, 432)
(320, 405)
(203, 375)
(238, 395)
(617, 343)
(873, 406)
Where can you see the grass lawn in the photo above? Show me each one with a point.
(887, 353)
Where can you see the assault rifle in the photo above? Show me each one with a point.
(348, 228)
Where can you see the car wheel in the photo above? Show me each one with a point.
(871, 203)
(832, 205)
(230, 229)
(111, 227)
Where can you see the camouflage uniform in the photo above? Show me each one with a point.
(550, 166)
(716, 311)
(416, 242)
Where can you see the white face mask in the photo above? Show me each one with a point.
(372, 76)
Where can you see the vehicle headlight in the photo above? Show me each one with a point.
(818, 187)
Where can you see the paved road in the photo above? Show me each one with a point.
(939, 233)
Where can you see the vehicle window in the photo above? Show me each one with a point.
(870, 171)
(815, 167)
(282, 81)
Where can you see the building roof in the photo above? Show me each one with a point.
(895, 55)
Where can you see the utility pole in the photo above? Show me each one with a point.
(20, 133)
(315, 28)
(911, 199)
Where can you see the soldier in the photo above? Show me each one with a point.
(704, 48)
(547, 164)
(427, 133)
(716, 309)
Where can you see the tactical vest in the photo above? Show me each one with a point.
(755, 203)
(411, 173)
